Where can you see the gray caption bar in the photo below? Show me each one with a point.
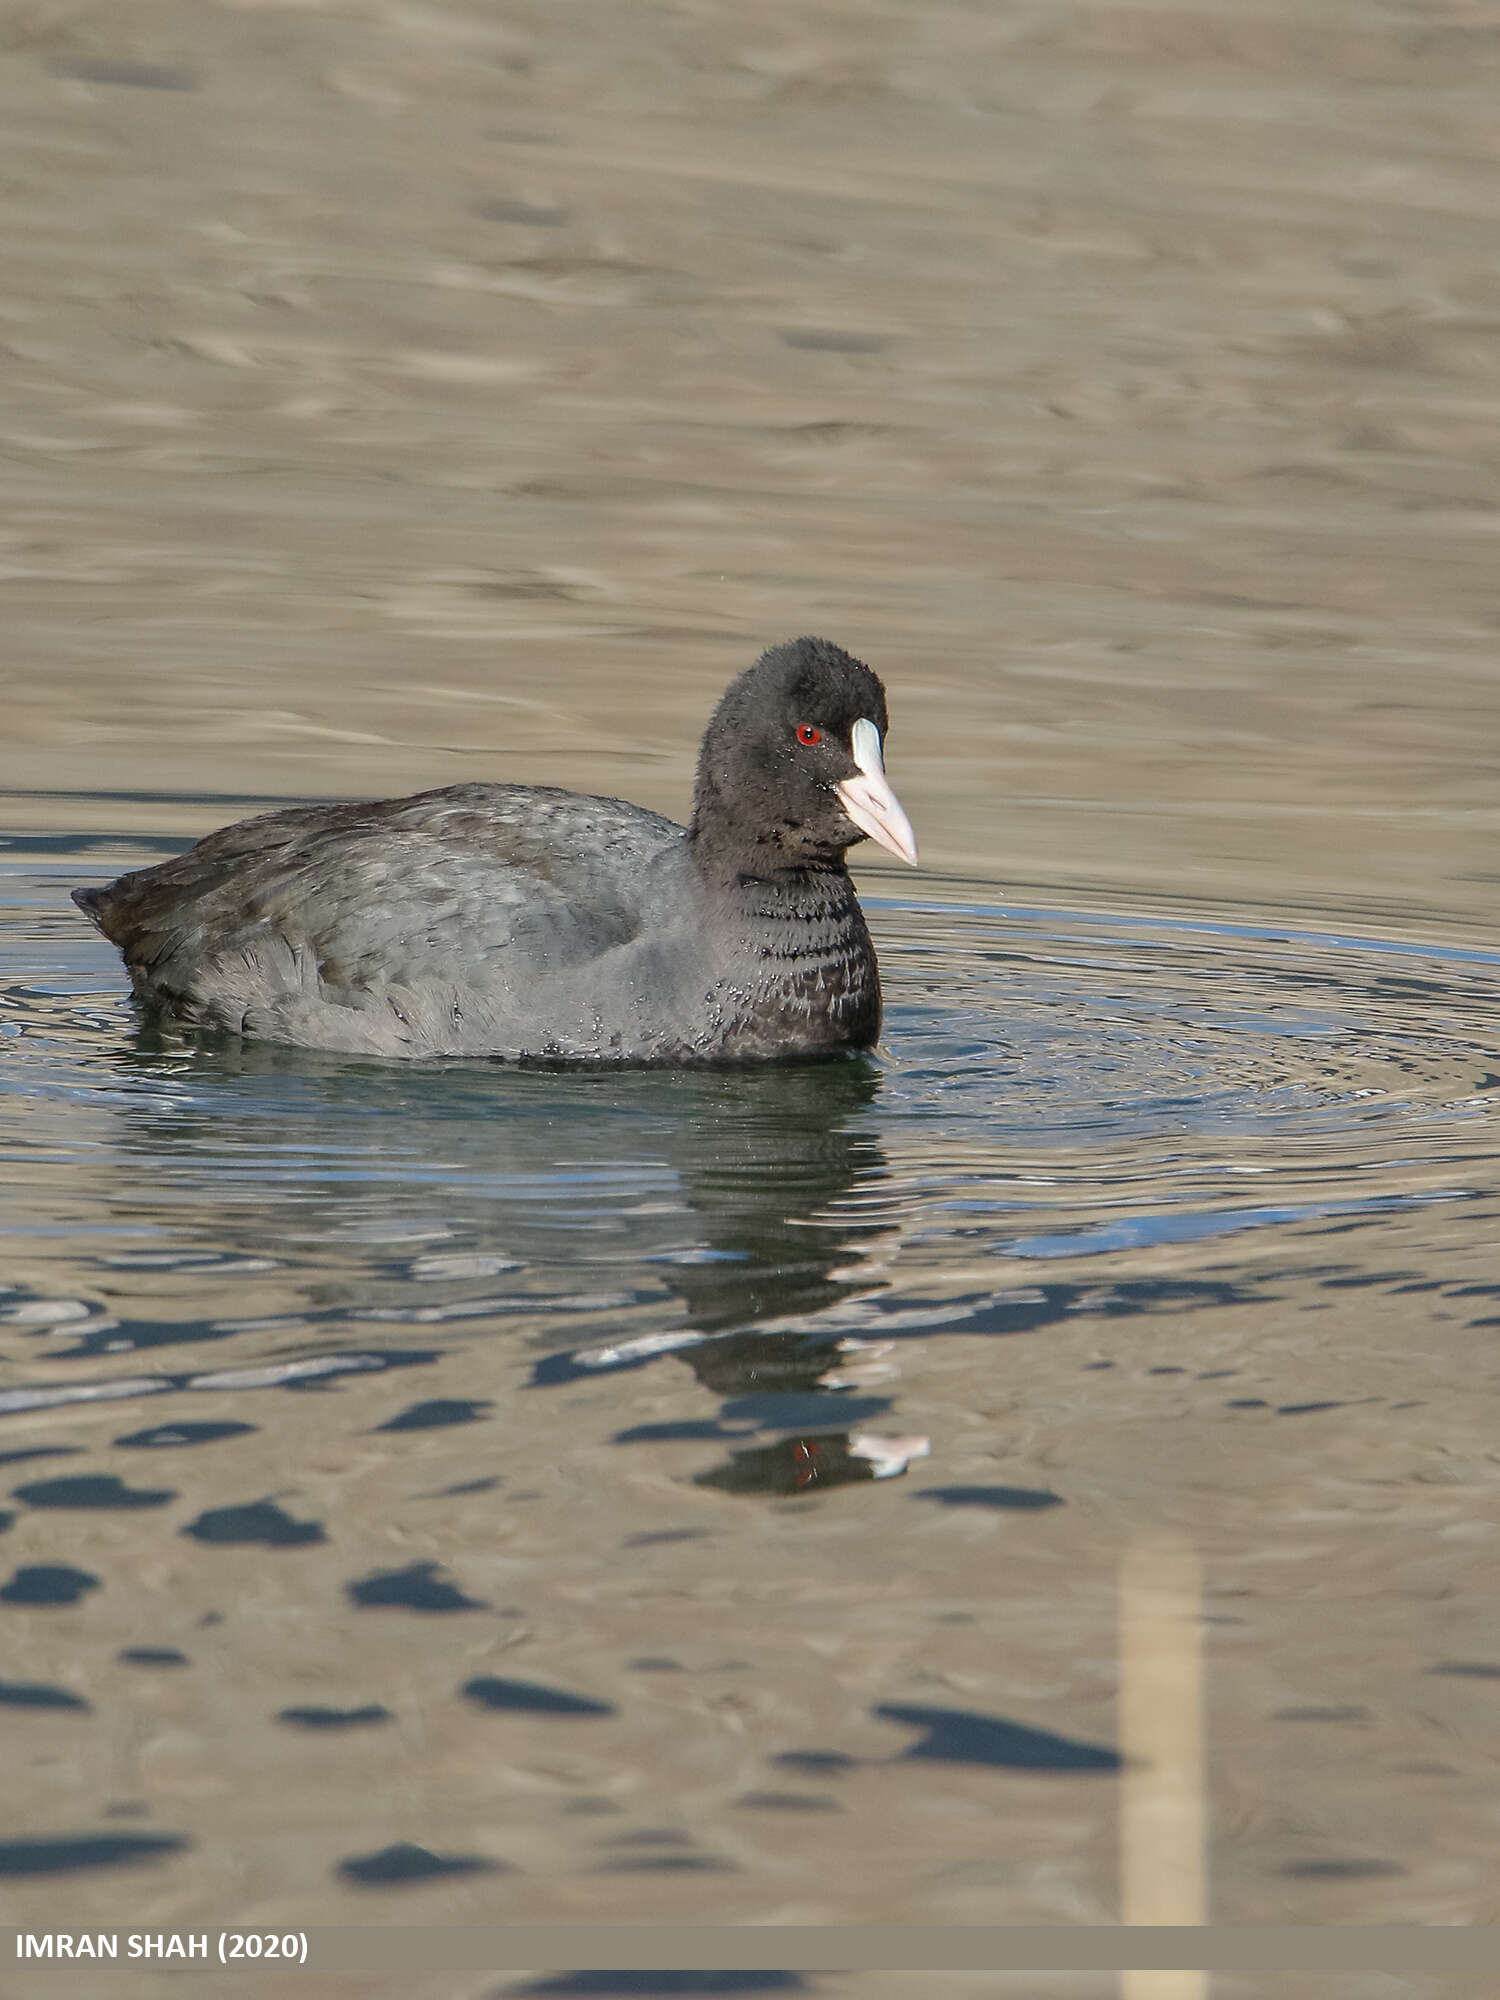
(1387, 1948)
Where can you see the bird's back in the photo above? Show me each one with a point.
(431, 924)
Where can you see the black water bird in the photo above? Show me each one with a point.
(532, 924)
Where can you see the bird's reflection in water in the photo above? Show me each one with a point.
(716, 1198)
(798, 1464)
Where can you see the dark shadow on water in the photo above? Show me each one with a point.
(441, 1411)
(260, 1521)
(48, 1583)
(91, 1490)
(39, 1694)
(72, 1853)
(335, 1718)
(416, 1588)
(690, 1429)
(404, 1863)
(490, 1691)
(958, 1736)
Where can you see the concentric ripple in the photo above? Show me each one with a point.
(1104, 1084)
(1053, 1085)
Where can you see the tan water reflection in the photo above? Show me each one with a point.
(400, 394)
(436, 393)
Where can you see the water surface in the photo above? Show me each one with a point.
(456, 1496)
(638, 1460)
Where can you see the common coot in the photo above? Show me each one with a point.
(532, 924)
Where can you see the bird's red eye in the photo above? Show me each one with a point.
(807, 734)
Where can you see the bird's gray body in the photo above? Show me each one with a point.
(511, 921)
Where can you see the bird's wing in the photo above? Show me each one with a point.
(472, 884)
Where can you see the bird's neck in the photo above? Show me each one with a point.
(727, 854)
(767, 888)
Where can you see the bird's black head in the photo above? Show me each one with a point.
(791, 771)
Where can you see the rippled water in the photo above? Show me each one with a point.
(1053, 1085)
(458, 1497)
(338, 1382)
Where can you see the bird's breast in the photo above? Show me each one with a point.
(802, 970)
